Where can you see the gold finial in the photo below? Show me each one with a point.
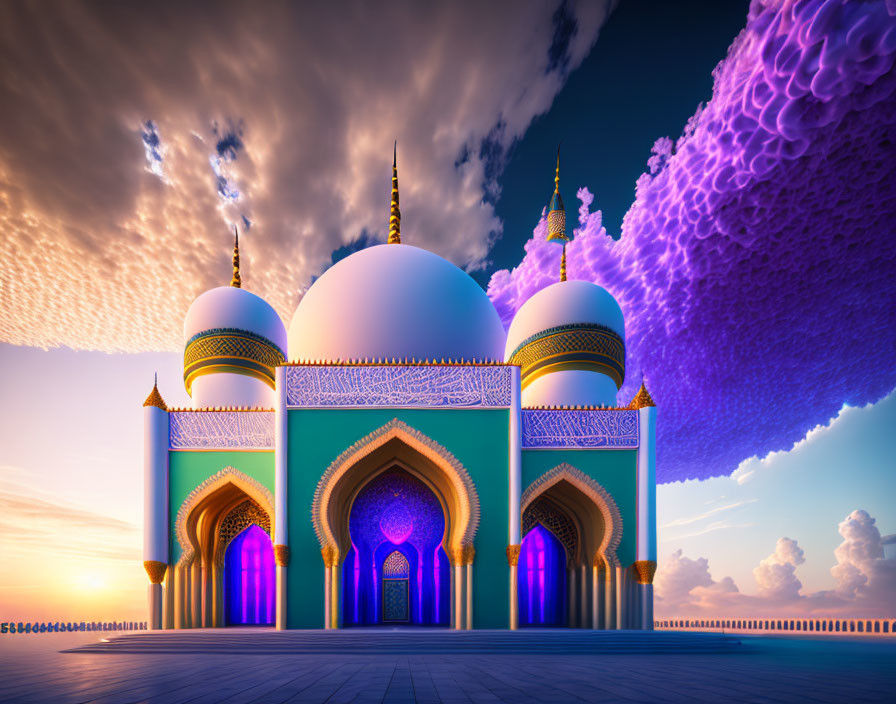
(155, 398)
(642, 399)
(556, 211)
(563, 264)
(395, 213)
(235, 281)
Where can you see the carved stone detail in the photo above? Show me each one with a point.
(594, 491)
(545, 429)
(253, 488)
(454, 470)
(387, 385)
(213, 430)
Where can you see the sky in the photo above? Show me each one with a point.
(733, 191)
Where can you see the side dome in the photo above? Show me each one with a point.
(395, 301)
(569, 342)
(233, 341)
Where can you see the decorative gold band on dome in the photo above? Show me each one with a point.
(580, 346)
(231, 350)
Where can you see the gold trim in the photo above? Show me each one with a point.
(330, 555)
(394, 211)
(409, 362)
(235, 280)
(468, 553)
(155, 398)
(228, 368)
(281, 555)
(243, 354)
(642, 399)
(582, 347)
(513, 555)
(645, 570)
(156, 570)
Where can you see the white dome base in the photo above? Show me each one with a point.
(231, 390)
(572, 387)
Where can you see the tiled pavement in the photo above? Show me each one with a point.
(403, 669)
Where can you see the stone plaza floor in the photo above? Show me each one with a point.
(243, 665)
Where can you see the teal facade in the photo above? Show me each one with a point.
(478, 438)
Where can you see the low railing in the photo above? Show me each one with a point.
(71, 627)
(793, 626)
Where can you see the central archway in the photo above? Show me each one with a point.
(396, 570)
(398, 447)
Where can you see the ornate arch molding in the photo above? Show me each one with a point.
(254, 489)
(460, 480)
(591, 489)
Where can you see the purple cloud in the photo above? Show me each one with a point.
(756, 267)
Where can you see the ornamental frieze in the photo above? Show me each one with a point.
(545, 429)
(221, 430)
(398, 386)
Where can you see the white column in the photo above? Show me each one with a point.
(281, 537)
(328, 620)
(155, 505)
(646, 492)
(609, 598)
(469, 569)
(595, 597)
(583, 586)
(452, 601)
(571, 597)
(620, 576)
(168, 607)
(459, 593)
(515, 466)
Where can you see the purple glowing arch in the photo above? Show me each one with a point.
(542, 579)
(396, 513)
(249, 579)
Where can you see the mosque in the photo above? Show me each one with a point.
(397, 458)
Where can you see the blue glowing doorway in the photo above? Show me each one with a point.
(396, 526)
(542, 579)
(249, 579)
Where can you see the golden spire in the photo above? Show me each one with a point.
(556, 211)
(155, 398)
(563, 264)
(395, 213)
(642, 399)
(235, 281)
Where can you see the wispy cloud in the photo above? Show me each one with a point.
(706, 514)
(34, 521)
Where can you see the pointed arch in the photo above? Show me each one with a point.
(591, 489)
(229, 477)
(380, 448)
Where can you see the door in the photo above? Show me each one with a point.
(396, 583)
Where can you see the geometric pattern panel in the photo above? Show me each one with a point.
(547, 429)
(221, 430)
(398, 386)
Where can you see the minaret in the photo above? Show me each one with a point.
(645, 541)
(235, 281)
(395, 213)
(155, 500)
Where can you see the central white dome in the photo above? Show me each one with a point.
(395, 301)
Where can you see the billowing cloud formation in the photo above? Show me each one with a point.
(756, 267)
(862, 572)
(775, 578)
(133, 135)
(866, 581)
